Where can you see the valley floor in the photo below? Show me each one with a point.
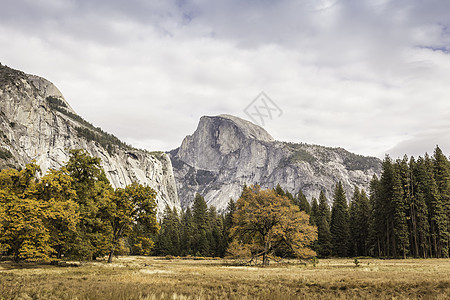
(161, 278)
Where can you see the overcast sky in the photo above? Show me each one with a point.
(370, 76)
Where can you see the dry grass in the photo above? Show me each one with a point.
(156, 278)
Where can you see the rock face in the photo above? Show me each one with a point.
(37, 123)
(226, 152)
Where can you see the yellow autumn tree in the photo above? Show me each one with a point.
(131, 206)
(265, 222)
(57, 195)
(24, 233)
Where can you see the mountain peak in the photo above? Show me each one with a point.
(248, 129)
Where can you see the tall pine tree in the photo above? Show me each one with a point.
(441, 208)
(339, 222)
(324, 246)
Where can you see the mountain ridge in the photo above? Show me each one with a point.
(37, 123)
(217, 160)
(222, 155)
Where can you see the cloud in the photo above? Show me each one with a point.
(368, 76)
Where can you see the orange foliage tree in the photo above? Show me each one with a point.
(265, 222)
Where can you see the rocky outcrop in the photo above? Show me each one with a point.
(226, 152)
(37, 123)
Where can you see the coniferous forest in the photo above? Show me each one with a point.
(404, 214)
(75, 213)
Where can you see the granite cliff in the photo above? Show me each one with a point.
(37, 123)
(223, 154)
(226, 152)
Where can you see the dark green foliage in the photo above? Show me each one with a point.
(441, 207)
(56, 103)
(410, 208)
(359, 224)
(303, 203)
(5, 154)
(279, 190)
(188, 230)
(314, 212)
(359, 162)
(301, 155)
(169, 238)
(400, 199)
(106, 140)
(200, 231)
(87, 131)
(324, 245)
(420, 225)
(228, 222)
(339, 226)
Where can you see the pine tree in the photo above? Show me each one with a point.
(216, 233)
(324, 246)
(201, 226)
(419, 209)
(364, 223)
(441, 208)
(303, 203)
(399, 205)
(385, 196)
(353, 223)
(169, 240)
(376, 229)
(188, 230)
(314, 211)
(339, 222)
(228, 222)
(279, 190)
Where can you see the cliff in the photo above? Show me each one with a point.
(37, 123)
(226, 152)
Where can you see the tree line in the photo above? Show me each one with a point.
(405, 214)
(73, 212)
(260, 226)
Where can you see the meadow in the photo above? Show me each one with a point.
(176, 278)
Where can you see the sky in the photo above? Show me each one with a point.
(370, 76)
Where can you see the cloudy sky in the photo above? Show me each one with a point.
(371, 76)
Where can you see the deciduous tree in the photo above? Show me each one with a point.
(264, 221)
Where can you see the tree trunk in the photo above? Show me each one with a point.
(111, 253)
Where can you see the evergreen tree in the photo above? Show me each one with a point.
(314, 211)
(339, 222)
(441, 208)
(353, 223)
(228, 222)
(303, 203)
(279, 190)
(324, 245)
(201, 226)
(169, 240)
(376, 228)
(363, 218)
(188, 230)
(420, 226)
(399, 205)
(386, 212)
(216, 238)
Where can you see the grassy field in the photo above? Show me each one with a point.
(159, 278)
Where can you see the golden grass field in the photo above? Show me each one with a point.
(160, 278)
